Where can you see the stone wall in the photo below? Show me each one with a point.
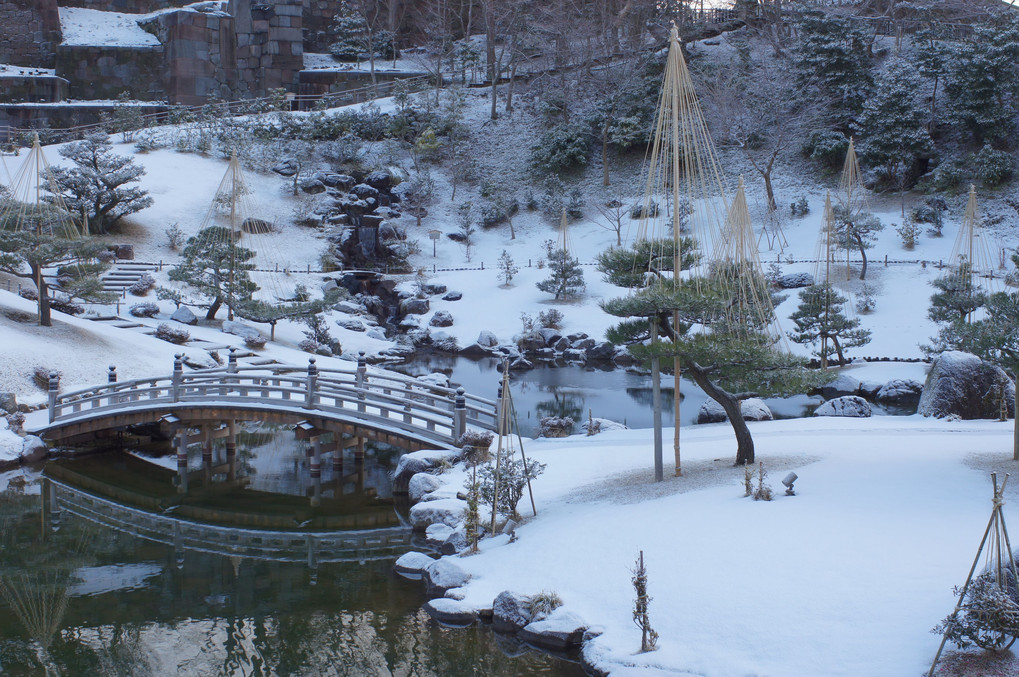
(126, 6)
(33, 88)
(29, 32)
(270, 44)
(318, 16)
(66, 115)
(97, 72)
(319, 82)
(200, 55)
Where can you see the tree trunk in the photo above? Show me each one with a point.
(731, 405)
(772, 205)
(493, 72)
(838, 350)
(863, 255)
(605, 152)
(214, 308)
(45, 316)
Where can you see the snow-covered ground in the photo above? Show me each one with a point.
(846, 578)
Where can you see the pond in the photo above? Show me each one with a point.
(107, 567)
(577, 391)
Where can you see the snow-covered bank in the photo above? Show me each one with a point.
(845, 578)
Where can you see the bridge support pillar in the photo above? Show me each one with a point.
(181, 440)
(231, 450)
(50, 508)
(316, 457)
(337, 455)
(359, 451)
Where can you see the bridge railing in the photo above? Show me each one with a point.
(393, 400)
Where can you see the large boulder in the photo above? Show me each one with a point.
(851, 406)
(240, 329)
(417, 462)
(844, 384)
(33, 449)
(422, 484)
(442, 575)
(511, 611)
(412, 564)
(900, 391)
(441, 318)
(963, 385)
(448, 511)
(451, 611)
(753, 408)
(8, 402)
(561, 630)
(184, 316)
(601, 351)
(414, 306)
(311, 186)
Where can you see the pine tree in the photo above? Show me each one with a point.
(566, 279)
(982, 83)
(957, 297)
(730, 354)
(507, 268)
(833, 59)
(820, 318)
(217, 269)
(856, 231)
(97, 183)
(892, 125)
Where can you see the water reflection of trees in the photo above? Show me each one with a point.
(645, 397)
(562, 404)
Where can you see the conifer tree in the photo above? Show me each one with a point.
(566, 279)
(820, 318)
(957, 297)
(217, 269)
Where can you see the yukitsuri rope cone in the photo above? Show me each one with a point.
(35, 203)
(973, 254)
(231, 219)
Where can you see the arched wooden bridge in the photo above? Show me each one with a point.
(376, 403)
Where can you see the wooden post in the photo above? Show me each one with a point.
(316, 456)
(360, 380)
(231, 450)
(181, 440)
(309, 400)
(656, 404)
(231, 363)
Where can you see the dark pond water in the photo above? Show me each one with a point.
(107, 568)
(577, 391)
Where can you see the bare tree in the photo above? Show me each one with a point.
(613, 211)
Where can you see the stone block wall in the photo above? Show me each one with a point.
(29, 32)
(270, 44)
(126, 6)
(99, 72)
(318, 16)
(200, 55)
(33, 88)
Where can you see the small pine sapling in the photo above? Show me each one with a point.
(648, 636)
(762, 492)
(465, 227)
(909, 231)
(866, 303)
(507, 268)
(748, 480)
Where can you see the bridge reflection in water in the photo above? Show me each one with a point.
(264, 501)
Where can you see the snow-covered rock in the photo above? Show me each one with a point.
(349, 307)
(412, 564)
(441, 318)
(8, 402)
(551, 336)
(561, 630)
(753, 408)
(852, 406)
(844, 384)
(511, 611)
(900, 391)
(455, 542)
(964, 385)
(12, 445)
(419, 461)
(421, 484)
(448, 511)
(593, 426)
(443, 574)
(414, 306)
(433, 288)
(351, 324)
(602, 351)
(451, 611)
(487, 339)
(240, 329)
(184, 316)
(436, 534)
(452, 296)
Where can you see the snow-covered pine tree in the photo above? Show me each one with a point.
(821, 319)
(566, 279)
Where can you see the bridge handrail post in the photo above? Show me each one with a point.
(111, 377)
(407, 407)
(231, 363)
(309, 401)
(52, 391)
(360, 380)
(459, 414)
(178, 375)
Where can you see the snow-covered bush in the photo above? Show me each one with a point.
(555, 426)
(909, 231)
(175, 237)
(947, 177)
(638, 210)
(540, 605)
(989, 614)
(551, 318)
(562, 147)
(762, 492)
(255, 342)
(930, 212)
(172, 334)
(994, 167)
(56, 303)
(800, 207)
(15, 421)
(865, 303)
(41, 377)
(148, 309)
(142, 285)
